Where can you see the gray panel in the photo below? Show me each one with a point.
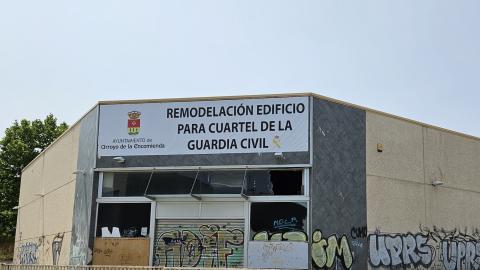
(206, 160)
(278, 255)
(80, 253)
(338, 187)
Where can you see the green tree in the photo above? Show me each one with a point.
(21, 144)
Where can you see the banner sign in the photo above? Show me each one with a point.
(204, 127)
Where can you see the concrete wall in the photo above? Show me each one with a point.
(411, 222)
(85, 192)
(338, 200)
(369, 209)
(44, 222)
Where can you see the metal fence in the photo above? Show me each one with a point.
(101, 267)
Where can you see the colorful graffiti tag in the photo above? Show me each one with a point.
(327, 251)
(432, 248)
(213, 245)
(293, 236)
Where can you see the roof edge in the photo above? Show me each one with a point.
(214, 98)
(60, 137)
(208, 98)
(396, 117)
(301, 94)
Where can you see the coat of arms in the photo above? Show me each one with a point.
(133, 122)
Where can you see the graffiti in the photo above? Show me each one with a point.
(277, 217)
(294, 236)
(460, 254)
(28, 253)
(357, 243)
(57, 248)
(204, 246)
(395, 250)
(286, 223)
(432, 248)
(358, 232)
(327, 251)
(457, 249)
(105, 252)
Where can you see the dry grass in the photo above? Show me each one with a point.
(6, 250)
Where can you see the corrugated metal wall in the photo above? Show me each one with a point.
(199, 243)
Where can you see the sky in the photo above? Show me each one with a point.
(416, 59)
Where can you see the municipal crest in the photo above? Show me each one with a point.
(134, 122)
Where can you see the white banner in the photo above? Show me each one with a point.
(205, 127)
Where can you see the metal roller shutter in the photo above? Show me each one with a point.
(199, 243)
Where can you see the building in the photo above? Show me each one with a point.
(276, 181)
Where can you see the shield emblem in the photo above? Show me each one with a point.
(133, 124)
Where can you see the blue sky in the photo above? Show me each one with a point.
(417, 59)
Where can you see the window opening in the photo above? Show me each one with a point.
(193, 186)
(278, 221)
(242, 193)
(123, 220)
(148, 184)
(261, 182)
(275, 182)
(124, 184)
(286, 182)
(172, 183)
(219, 182)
